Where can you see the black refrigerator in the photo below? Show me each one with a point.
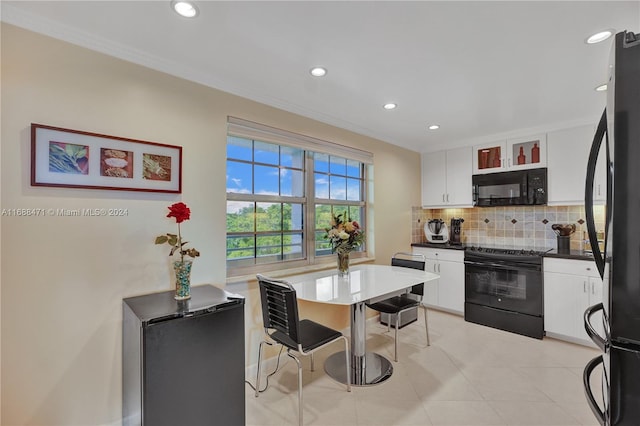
(619, 265)
(183, 362)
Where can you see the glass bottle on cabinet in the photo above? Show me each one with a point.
(488, 158)
(511, 154)
(527, 153)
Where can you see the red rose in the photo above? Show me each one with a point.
(356, 225)
(180, 211)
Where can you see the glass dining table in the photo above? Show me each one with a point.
(363, 283)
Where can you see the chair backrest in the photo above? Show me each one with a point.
(279, 307)
(416, 261)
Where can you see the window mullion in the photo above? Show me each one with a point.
(310, 208)
(301, 244)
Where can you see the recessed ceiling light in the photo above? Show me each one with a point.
(390, 105)
(318, 71)
(434, 127)
(185, 8)
(598, 37)
(601, 88)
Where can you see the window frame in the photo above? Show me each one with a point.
(308, 202)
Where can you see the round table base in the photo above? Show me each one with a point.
(374, 370)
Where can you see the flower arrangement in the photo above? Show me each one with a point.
(345, 234)
(180, 212)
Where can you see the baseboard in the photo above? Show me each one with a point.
(570, 339)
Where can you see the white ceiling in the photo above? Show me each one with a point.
(480, 69)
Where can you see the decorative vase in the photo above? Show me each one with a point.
(522, 158)
(535, 153)
(343, 264)
(182, 269)
(484, 159)
(496, 159)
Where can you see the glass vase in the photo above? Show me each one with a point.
(343, 264)
(182, 269)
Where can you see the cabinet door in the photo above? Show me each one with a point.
(564, 299)
(594, 287)
(434, 172)
(431, 287)
(451, 286)
(459, 187)
(567, 166)
(489, 158)
(527, 153)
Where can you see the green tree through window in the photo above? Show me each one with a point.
(273, 215)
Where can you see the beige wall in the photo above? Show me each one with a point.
(64, 278)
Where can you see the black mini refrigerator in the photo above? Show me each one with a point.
(183, 361)
(619, 265)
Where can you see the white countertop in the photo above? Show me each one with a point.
(365, 282)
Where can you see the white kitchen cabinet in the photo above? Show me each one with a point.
(511, 154)
(447, 292)
(570, 287)
(446, 178)
(568, 153)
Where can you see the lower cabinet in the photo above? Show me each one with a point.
(570, 287)
(447, 292)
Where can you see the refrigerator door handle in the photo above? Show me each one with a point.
(591, 331)
(587, 389)
(601, 132)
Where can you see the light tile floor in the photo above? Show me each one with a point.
(470, 375)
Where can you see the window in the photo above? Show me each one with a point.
(338, 189)
(280, 198)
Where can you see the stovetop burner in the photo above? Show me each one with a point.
(508, 250)
(505, 254)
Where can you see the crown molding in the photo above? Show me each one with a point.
(20, 18)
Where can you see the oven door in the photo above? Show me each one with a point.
(511, 286)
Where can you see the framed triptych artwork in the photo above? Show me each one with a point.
(76, 159)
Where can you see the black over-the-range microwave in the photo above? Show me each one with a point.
(517, 188)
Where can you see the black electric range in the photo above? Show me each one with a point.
(504, 288)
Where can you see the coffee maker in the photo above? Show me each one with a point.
(436, 231)
(456, 230)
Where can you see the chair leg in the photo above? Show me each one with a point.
(300, 422)
(426, 325)
(312, 365)
(396, 338)
(348, 362)
(259, 365)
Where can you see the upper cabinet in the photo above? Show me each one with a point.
(446, 179)
(512, 154)
(567, 166)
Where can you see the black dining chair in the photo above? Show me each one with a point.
(411, 299)
(282, 326)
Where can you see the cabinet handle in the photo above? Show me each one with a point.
(443, 197)
(593, 288)
(447, 198)
(438, 268)
(509, 162)
(598, 189)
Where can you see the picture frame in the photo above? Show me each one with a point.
(77, 159)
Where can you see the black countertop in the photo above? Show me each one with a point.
(440, 246)
(572, 254)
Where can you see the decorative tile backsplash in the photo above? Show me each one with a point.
(526, 226)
